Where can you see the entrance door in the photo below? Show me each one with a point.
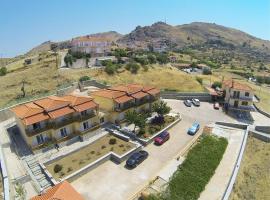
(236, 104)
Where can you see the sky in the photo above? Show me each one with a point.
(27, 23)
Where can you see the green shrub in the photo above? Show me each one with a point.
(84, 78)
(216, 84)
(57, 168)
(110, 69)
(112, 141)
(206, 71)
(199, 79)
(133, 67)
(3, 71)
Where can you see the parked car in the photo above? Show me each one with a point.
(187, 103)
(216, 105)
(194, 128)
(162, 138)
(196, 102)
(136, 158)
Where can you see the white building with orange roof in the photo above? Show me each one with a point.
(238, 96)
(91, 44)
(116, 101)
(56, 119)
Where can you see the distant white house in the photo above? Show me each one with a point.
(97, 46)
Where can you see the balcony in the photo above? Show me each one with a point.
(63, 122)
(89, 115)
(31, 132)
(142, 101)
(124, 107)
(243, 98)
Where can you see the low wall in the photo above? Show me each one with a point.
(261, 111)
(109, 156)
(4, 176)
(233, 177)
(264, 129)
(203, 96)
(261, 136)
(94, 83)
(233, 125)
(67, 90)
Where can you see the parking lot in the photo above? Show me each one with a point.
(113, 181)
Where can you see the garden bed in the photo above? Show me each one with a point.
(151, 129)
(87, 155)
(199, 166)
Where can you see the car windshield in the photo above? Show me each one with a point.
(135, 156)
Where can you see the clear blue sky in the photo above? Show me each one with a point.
(27, 23)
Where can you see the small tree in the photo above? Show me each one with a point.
(84, 78)
(199, 79)
(133, 67)
(136, 119)
(216, 84)
(161, 108)
(20, 191)
(3, 71)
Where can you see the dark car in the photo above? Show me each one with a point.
(194, 128)
(136, 158)
(187, 103)
(162, 137)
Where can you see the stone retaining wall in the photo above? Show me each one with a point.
(233, 125)
(93, 83)
(264, 129)
(203, 96)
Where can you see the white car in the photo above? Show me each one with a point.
(196, 102)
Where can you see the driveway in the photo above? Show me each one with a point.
(205, 113)
(115, 182)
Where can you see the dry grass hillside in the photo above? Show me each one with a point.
(42, 78)
(253, 179)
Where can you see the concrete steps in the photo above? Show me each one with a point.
(37, 173)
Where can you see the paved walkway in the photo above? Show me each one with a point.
(216, 187)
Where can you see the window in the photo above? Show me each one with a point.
(246, 94)
(63, 132)
(85, 125)
(244, 103)
(102, 120)
(36, 125)
(40, 139)
(84, 113)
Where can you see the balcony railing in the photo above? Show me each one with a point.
(241, 98)
(31, 132)
(142, 101)
(63, 122)
(81, 118)
(124, 107)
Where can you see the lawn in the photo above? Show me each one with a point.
(253, 178)
(195, 172)
(89, 154)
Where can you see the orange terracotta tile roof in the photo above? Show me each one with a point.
(26, 110)
(85, 106)
(139, 95)
(236, 85)
(129, 89)
(60, 112)
(123, 99)
(52, 107)
(61, 191)
(76, 100)
(153, 91)
(108, 93)
(52, 103)
(35, 118)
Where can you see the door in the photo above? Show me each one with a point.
(236, 104)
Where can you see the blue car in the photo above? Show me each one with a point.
(194, 128)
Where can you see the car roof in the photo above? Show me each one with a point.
(164, 133)
(195, 124)
(135, 155)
